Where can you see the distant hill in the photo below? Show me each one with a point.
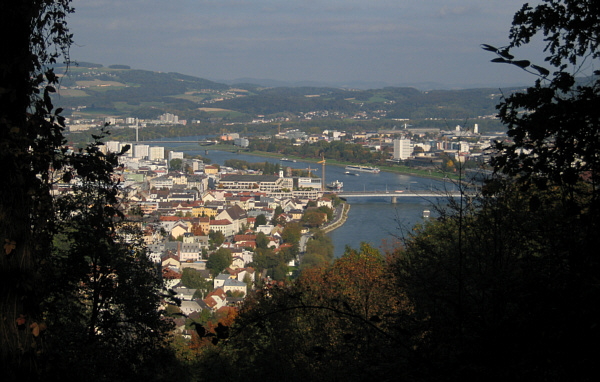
(118, 90)
(361, 85)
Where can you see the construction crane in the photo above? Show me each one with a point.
(323, 179)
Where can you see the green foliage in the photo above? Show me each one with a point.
(558, 137)
(292, 233)
(192, 279)
(218, 261)
(501, 283)
(319, 252)
(103, 293)
(176, 164)
(266, 167)
(216, 238)
(330, 324)
(275, 220)
(313, 218)
(335, 150)
(261, 240)
(260, 220)
(79, 295)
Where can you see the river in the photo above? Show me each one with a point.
(372, 220)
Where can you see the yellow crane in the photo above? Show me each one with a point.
(323, 179)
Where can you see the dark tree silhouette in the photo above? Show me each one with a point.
(77, 300)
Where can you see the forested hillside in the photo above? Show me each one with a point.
(117, 91)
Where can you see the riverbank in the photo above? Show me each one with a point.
(402, 170)
(341, 219)
(371, 220)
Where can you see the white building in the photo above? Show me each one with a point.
(197, 165)
(113, 146)
(402, 149)
(312, 183)
(464, 147)
(156, 153)
(169, 118)
(141, 151)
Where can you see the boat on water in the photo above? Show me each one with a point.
(374, 170)
(335, 185)
(351, 173)
(287, 160)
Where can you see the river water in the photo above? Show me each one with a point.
(372, 220)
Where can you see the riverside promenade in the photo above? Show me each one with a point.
(339, 218)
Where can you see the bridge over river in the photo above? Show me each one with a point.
(394, 195)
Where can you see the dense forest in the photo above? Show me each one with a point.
(503, 286)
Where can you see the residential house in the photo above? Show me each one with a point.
(201, 226)
(324, 201)
(236, 215)
(215, 299)
(189, 307)
(170, 278)
(179, 229)
(168, 222)
(237, 262)
(266, 229)
(233, 285)
(249, 272)
(211, 170)
(190, 252)
(295, 214)
(219, 280)
(161, 182)
(184, 294)
(171, 261)
(224, 226)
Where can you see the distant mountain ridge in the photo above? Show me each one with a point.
(362, 85)
(354, 84)
(118, 90)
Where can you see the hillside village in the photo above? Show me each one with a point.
(189, 217)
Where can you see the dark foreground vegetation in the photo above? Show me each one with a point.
(500, 287)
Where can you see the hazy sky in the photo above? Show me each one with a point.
(395, 41)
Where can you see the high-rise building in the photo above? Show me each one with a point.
(113, 146)
(141, 151)
(169, 118)
(402, 149)
(156, 153)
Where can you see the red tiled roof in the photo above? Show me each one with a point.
(244, 238)
(220, 222)
(171, 274)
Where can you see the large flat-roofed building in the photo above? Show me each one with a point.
(310, 183)
(266, 183)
